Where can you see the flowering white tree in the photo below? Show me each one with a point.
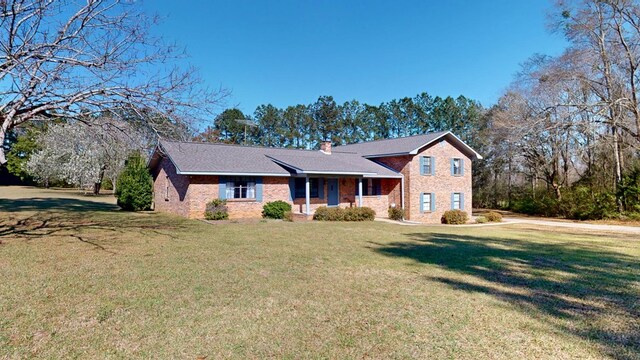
(83, 155)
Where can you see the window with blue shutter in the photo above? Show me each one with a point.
(222, 187)
(427, 202)
(427, 165)
(300, 187)
(240, 187)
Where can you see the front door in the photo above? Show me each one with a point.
(332, 188)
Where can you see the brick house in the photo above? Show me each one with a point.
(424, 174)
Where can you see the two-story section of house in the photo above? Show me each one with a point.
(436, 169)
(424, 174)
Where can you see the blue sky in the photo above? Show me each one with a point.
(290, 52)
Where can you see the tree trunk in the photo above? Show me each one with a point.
(98, 185)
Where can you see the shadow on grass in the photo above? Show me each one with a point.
(44, 204)
(592, 292)
(91, 222)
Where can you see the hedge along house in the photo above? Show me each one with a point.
(424, 174)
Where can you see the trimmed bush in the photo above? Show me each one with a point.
(134, 187)
(288, 216)
(493, 216)
(481, 220)
(324, 213)
(454, 217)
(359, 214)
(275, 209)
(216, 210)
(396, 213)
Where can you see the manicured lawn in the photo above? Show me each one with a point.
(78, 278)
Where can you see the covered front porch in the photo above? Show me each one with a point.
(308, 192)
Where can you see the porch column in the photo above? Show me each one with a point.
(307, 195)
(359, 192)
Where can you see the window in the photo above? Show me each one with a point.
(427, 165)
(301, 187)
(456, 201)
(370, 187)
(456, 167)
(241, 188)
(427, 204)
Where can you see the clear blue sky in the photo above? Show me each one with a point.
(290, 52)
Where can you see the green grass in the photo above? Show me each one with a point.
(78, 278)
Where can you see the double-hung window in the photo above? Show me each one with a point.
(456, 201)
(241, 188)
(426, 165)
(427, 204)
(456, 166)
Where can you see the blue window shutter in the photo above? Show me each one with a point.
(433, 166)
(378, 185)
(292, 188)
(421, 202)
(452, 199)
(222, 187)
(433, 201)
(462, 201)
(452, 168)
(462, 167)
(259, 189)
(421, 165)
(321, 188)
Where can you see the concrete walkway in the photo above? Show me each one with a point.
(551, 223)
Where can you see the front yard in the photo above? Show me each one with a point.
(78, 278)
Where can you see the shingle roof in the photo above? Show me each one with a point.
(403, 146)
(206, 158)
(355, 159)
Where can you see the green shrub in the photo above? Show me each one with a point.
(275, 209)
(481, 220)
(359, 214)
(216, 210)
(454, 217)
(324, 213)
(396, 213)
(493, 216)
(134, 187)
(288, 216)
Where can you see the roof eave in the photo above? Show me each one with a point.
(227, 173)
(462, 143)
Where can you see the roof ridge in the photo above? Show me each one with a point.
(235, 145)
(396, 138)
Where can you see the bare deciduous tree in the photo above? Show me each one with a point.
(72, 59)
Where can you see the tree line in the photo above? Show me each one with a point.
(305, 126)
(566, 134)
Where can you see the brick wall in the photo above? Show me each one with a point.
(170, 190)
(442, 183)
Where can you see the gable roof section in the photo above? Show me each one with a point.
(222, 159)
(409, 145)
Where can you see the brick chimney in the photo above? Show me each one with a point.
(326, 147)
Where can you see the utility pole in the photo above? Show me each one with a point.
(246, 123)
